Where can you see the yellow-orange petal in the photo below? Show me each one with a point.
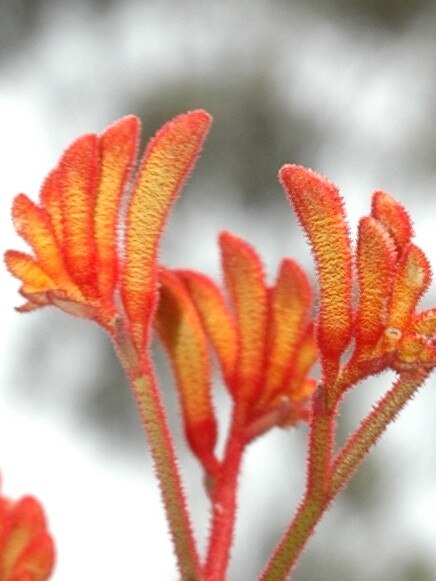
(77, 177)
(425, 323)
(394, 217)
(290, 301)
(33, 224)
(24, 267)
(414, 351)
(299, 385)
(245, 282)
(167, 161)
(217, 320)
(117, 145)
(376, 258)
(50, 200)
(411, 280)
(182, 335)
(320, 211)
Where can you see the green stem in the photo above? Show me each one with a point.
(224, 499)
(294, 540)
(316, 500)
(154, 420)
(347, 461)
(373, 426)
(151, 410)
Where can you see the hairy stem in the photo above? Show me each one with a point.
(319, 461)
(154, 420)
(153, 417)
(373, 426)
(321, 432)
(294, 540)
(347, 461)
(224, 499)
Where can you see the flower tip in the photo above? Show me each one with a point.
(198, 120)
(298, 175)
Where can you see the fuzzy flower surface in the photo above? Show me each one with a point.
(262, 337)
(383, 323)
(96, 228)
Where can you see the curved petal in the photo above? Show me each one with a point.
(51, 201)
(217, 320)
(394, 218)
(244, 277)
(411, 280)
(77, 178)
(118, 147)
(167, 161)
(24, 267)
(290, 302)
(376, 258)
(182, 335)
(33, 224)
(320, 211)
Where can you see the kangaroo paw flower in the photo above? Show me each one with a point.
(79, 262)
(263, 338)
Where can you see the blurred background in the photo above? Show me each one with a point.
(347, 88)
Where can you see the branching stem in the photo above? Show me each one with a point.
(316, 500)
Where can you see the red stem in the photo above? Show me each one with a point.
(224, 499)
(320, 453)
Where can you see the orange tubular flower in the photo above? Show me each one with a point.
(91, 262)
(392, 273)
(264, 343)
(74, 231)
(26, 547)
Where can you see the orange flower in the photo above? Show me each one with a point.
(392, 274)
(26, 548)
(264, 343)
(75, 230)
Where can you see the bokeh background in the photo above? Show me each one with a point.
(347, 88)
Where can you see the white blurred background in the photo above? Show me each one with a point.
(347, 88)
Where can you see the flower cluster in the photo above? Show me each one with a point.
(262, 337)
(74, 231)
(392, 275)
